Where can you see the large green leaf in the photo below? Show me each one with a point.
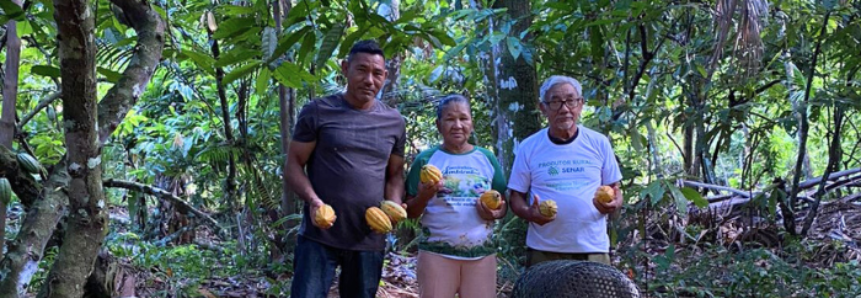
(694, 196)
(11, 10)
(262, 84)
(269, 42)
(348, 43)
(237, 55)
(46, 70)
(291, 75)
(307, 46)
(680, 199)
(513, 47)
(241, 72)
(203, 61)
(233, 26)
(235, 10)
(285, 43)
(110, 75)
(330, 41)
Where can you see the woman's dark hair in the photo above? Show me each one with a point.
(448, 100)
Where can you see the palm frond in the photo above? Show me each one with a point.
(216, 153)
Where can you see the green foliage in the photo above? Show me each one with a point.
(716, 272)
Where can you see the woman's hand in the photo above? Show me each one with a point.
(427, 190)
(490, 214)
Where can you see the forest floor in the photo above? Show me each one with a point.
(213, 271)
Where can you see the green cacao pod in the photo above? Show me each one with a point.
(5, 191)
(28, 163)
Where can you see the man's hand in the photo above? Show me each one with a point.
(607, 208)
(315, 205)
(490, 214)
(535, 213)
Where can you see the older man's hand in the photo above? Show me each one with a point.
(535, 213)
(612, 206)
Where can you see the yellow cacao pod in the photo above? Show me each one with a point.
(393, 210)
(547, 208)
(378, 220)
(430, 174)
(605, 194)
(325, 216)
(492, 199)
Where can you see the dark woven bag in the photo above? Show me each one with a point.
(574, 279)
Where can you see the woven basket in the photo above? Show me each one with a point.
(574, 279)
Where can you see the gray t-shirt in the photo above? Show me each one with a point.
(348, 166)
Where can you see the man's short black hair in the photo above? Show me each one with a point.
(365, 46)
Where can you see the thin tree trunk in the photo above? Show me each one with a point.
(517, 86)
(87, 218)
(286, 105)
(225, 114)
(10, 93)
(10, 85)
(835, 154)
(804, 126)
(391, 12)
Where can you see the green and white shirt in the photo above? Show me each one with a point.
(450, 224)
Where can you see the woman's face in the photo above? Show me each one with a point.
(455, 123)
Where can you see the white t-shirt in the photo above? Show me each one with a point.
(451, 225)
(568, 174)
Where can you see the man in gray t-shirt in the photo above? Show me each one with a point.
(352, 147)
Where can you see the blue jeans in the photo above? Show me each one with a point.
(314, 269)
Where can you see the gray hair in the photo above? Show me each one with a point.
(552, 81)
(450, 99)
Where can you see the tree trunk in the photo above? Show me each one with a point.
(391, 12)
(10, 93)
(10, 85)
(22, 259)
(516, 107)
(228, 132)
(87, 218)
(286, 104)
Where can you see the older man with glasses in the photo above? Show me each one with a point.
(564, 162)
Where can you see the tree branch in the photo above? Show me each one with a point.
(802, 147)
(162, 194)
(21, 261)
(834, 157)
(42, 104)
(718, 187)
(147, 53)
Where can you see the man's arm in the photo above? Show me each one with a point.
(395, 179)
(297, 157)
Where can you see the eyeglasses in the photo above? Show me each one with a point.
(571, 104)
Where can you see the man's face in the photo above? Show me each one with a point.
(562, 105)
(365, 76)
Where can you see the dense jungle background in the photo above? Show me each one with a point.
(143, 140)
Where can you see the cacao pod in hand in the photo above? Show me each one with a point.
(378, 220)
(547, 208)
(492, 199)
(325, 216)
(430, 174)
(393, 210)
(605, 194)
